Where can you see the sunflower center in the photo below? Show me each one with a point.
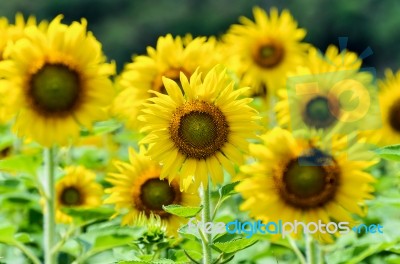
(198, 129)
(394, 116)
(268, 55)
(71, 196)
(309, 181)
(54, 88)
(155, 193)
(320, 112)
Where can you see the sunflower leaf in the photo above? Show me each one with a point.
(89, 214)
(183, 211)
(234, 245)
(7, 233)
(21, 163)
(160, 261)
(228, 190)
(391, 152)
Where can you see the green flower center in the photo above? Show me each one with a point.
(268, 55)
(55, 88)
(71, 196)
(394, 116)
(309, 181)
(155, 193)
(318, 112)
(198, 129)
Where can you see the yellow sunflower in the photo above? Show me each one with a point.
(170, 57)
(56, 81)
(78, 188)
(299, 179)
(199, 128)
(263, 51)
(9, 34)
(327, 91)
(137, 187)
(389, 100)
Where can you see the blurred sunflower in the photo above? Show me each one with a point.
(170, 57)
(322, 94)
(263, 51)
(389, 99)
(9, 34)
(78, 188)
(56, 82)
(301, 180)
(199, 128)
(138, 188)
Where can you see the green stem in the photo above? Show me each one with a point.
(28, 253)
(50, 208)
(296, 250)
(310, 249)
(206, 217)
(64, 238)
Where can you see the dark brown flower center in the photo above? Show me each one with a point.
(198, 129)
(309, 181)
(155, 193)
(71, 196)
(321, 112)
(268, 55)
(54, 89)
(394, 116)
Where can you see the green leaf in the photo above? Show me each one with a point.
(7, 233)
(373, 250)
(111, 241)
(106, 127)
(234, 245)
(228, 190)
(89, 214)
(389, 152)
(23, 237)
(21, 163)
(182, 211)
(160, 261)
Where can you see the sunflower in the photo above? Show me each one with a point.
(78, 188)
(137, 187)
(263, 51)
(303, 180)
(170, 57)
(9, 34)
(329, 90)
(56, 82)
(389, 100)
(199, 128)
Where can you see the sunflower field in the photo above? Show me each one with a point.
(242, 141)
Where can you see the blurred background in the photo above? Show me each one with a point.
(127, 27)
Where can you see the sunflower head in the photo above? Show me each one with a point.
(78, 188)
(262, 51)
(203, 127)
(305, 180)
(171, 57)
(389, 101)
(57, 78)
(328, 93)
(138, 188)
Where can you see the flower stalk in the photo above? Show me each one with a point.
(50, 207)
(206, 217)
